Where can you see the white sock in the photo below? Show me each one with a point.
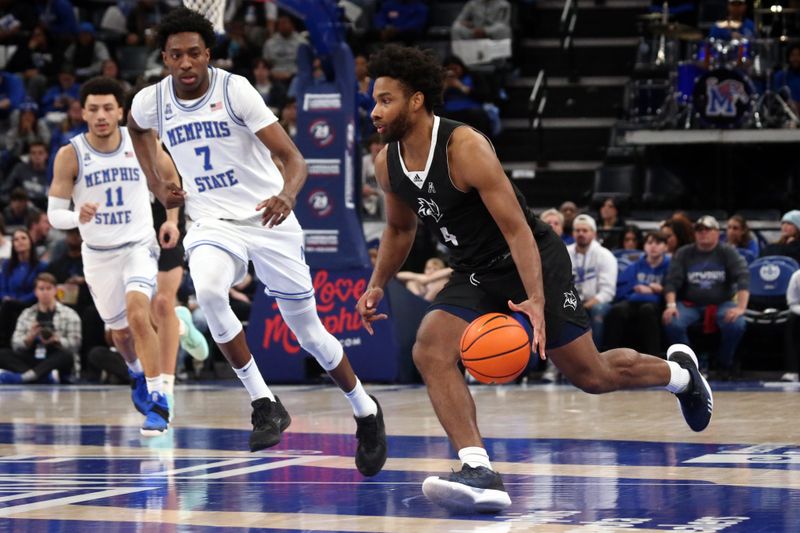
(362, 404)
(168, 383)
(28, 376)
(474, 457)
(253, 381)
(154, 384)
(679, 378)
(135, 367)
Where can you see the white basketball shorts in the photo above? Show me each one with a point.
(276, 253)
(111, 273)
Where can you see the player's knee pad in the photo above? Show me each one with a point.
(302, 318)
(213, 272)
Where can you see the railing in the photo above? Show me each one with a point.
(536, 106)
(569, 18)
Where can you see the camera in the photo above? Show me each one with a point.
(46, 331)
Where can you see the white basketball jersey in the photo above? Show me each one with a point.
(115, 182)
(226, 169)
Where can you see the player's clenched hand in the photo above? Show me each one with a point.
(87, 212)
(276, 209)
(367, 307)
(170, 195)
(534, 309)
(168, 235)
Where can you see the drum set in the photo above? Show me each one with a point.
(685, 80)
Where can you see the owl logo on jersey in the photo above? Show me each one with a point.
(428, 208)
(570, 301)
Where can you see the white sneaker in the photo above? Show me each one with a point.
(792, 377)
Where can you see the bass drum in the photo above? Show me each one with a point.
(723, 99)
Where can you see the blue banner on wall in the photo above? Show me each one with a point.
(326, 136)
(280, 357)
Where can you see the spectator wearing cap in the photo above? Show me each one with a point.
(57, 98)
(789, 242)
(25, 130)
(31, 175)
(594, 270)
(702, 280)
(87, 53)
(736, 25)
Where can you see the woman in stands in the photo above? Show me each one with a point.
(17, 281)
(789, 243)
(738, 235)
(677, 232)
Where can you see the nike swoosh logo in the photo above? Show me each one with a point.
(169, 117)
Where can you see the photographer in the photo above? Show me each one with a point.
(47, 336)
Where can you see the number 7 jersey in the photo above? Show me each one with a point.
(226, 169)
(115, 181)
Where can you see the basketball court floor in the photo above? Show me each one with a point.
(71, 459)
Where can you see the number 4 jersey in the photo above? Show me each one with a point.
(115, 182)
(226, 169)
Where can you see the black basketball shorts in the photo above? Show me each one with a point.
(471, 294)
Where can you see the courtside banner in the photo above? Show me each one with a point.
(279, 355)
(326, 136)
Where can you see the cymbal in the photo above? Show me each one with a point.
(676, 30)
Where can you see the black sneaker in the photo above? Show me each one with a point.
(469, 490)
(269, 419)
(371, 435)
(697, 401)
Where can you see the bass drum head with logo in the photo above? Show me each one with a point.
(723, 98)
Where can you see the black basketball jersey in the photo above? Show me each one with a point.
(459, 219)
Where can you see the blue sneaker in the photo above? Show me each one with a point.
(191, 339)
(10, 378)
(157, 420)
(139, 395)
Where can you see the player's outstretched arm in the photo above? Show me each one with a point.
(473, 164)
(396, 241)
(146, 146)
(65, 169)
(293, 169)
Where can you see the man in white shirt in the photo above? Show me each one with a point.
(595, 273)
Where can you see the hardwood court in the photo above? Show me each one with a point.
(71, 459)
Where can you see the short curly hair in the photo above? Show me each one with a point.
(185, 20)
(417, 70)
(101, 85)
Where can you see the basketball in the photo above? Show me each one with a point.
(495, 348)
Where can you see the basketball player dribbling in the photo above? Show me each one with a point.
(99, 172)
(222, 138)
(504, 260)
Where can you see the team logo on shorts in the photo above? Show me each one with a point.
(321, 132)
(320, 203)
(570, 301)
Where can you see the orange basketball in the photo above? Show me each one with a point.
(495, 348)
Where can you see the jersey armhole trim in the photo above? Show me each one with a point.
(74, 142)
(228, 106)
(159, 123)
